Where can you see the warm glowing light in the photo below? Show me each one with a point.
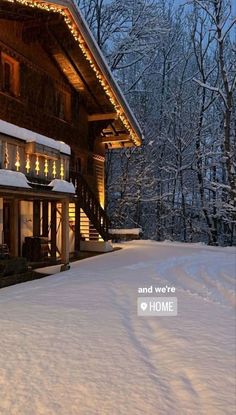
(54, 169)
(88, 56)
(27, 164)
(72, 213)
(62, 171)
(46, 167)
(17, 163)
(6, 156)
(37, 166)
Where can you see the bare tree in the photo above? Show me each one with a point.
(213, 28)
(176, 66)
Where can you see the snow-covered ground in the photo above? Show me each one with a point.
(72, 343)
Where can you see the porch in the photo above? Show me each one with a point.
(47, 211)
(35, 226)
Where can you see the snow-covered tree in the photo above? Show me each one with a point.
(177, 68)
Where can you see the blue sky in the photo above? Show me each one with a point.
(233, 4)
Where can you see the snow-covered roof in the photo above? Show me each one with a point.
(30, 136)
(62, 186)
(13, 179)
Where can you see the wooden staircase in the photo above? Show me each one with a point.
(91, 209)
(87, 230)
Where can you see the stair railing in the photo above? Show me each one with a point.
(90, 205)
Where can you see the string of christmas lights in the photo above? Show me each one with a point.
(27, 164)
(87, 54)
(17, 163)
(6, 156)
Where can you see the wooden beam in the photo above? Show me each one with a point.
(77, 227)
(32, 29)
(65, 248)
(36, 218)
(14, 227)
(117, 144)
(122, 138)
(45, 218)
(1, 220)
(102, 117)
(39, 21)
(73, 64)
(53, 229)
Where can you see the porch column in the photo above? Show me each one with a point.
(15, 228)
(1, 220)
(36, 218)
(65, 249)
(45, 219)
(77, 227)
(53, 229)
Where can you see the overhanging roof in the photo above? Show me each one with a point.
(80, 31)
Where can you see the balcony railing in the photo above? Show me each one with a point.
(39, 163)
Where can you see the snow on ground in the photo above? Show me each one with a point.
(72, 344)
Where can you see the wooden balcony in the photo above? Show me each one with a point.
(40, 163)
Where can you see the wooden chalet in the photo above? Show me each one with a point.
(60, 109)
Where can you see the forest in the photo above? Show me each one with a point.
(175, 62)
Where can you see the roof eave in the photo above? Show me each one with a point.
(92, 44)
(81, 32)
(86, 33)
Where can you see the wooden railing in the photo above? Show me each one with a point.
(90, 205)
(23, 157)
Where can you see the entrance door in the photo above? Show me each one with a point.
(7, 224)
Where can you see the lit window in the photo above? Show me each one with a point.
(10, 74)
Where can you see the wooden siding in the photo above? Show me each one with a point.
(34, 107)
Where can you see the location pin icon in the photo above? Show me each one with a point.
(143, 306)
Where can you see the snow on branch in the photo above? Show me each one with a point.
(212, 88)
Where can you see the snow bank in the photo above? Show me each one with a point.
(13, 178)
(62, 186)
(31, 136)
(134, 231)
(73, 344)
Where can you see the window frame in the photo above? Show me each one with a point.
(65, 98)
(14, 84)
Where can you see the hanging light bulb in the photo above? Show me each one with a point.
(17, 163)
(54, 169)
(6, 156)
(46, 167)
(27, 164)
(37, 166)
(62, 171)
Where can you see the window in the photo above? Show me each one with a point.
(7, 77)
(62, 105)
(59, 104)
(10, 75)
